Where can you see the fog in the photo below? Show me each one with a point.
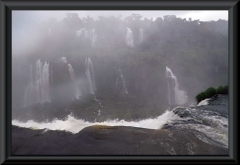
(114, 62)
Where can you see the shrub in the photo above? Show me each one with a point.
(200, 97)
(210, 92)
(222, 90)
(225, 90)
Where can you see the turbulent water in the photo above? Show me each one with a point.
(74, 125)
(209, 123)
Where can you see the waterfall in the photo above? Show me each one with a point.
(38, 90)
(93, 37)
(90, 74)
(38, 79)
(180, 96)
(124, 84)
(45, 83)
(63, 59)
(80, 32)
(140, 35)
(123, 81)
(72, 75)
(129, 37)
(87, 34)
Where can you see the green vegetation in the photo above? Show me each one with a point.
(210, 92)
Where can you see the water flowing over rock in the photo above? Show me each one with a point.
(124, 84)
(72, 75)
(93, 37)
(90, 75)
(80, 32)
(63, 59)
(140, 35)
(129, 37)
(38, 90)
(87, 35)
(199, 130)
(180, 96)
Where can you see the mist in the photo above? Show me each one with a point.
(127, 53)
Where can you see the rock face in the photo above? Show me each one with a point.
(106, 140)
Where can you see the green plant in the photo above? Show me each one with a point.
(210, 92)
(201, 96)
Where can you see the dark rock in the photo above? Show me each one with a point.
(106, 140)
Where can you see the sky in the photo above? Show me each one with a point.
(43, 15)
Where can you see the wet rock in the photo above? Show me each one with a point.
(106, 140)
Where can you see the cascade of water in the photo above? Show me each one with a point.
(38, 79)
(180, 96)
(140, 35)
(45, 83)
(80, 32)
(38, 90)
(129, 37)
(124, 84)
(63, 59)
(72, 75)
(88, 34)
(93, 37)
(90, 74)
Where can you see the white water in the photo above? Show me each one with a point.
(216, 127)
(87, 35)
(140, 35)
(76, 88)
(80, 32)
(74, 125)
(63, 59)
(93, 37)
(129, 37)
(90, 75)
(180, 96)
(38, 90)
(203, 102)
(124, 84)
(215, 132)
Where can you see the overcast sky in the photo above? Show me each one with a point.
(38, 16)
